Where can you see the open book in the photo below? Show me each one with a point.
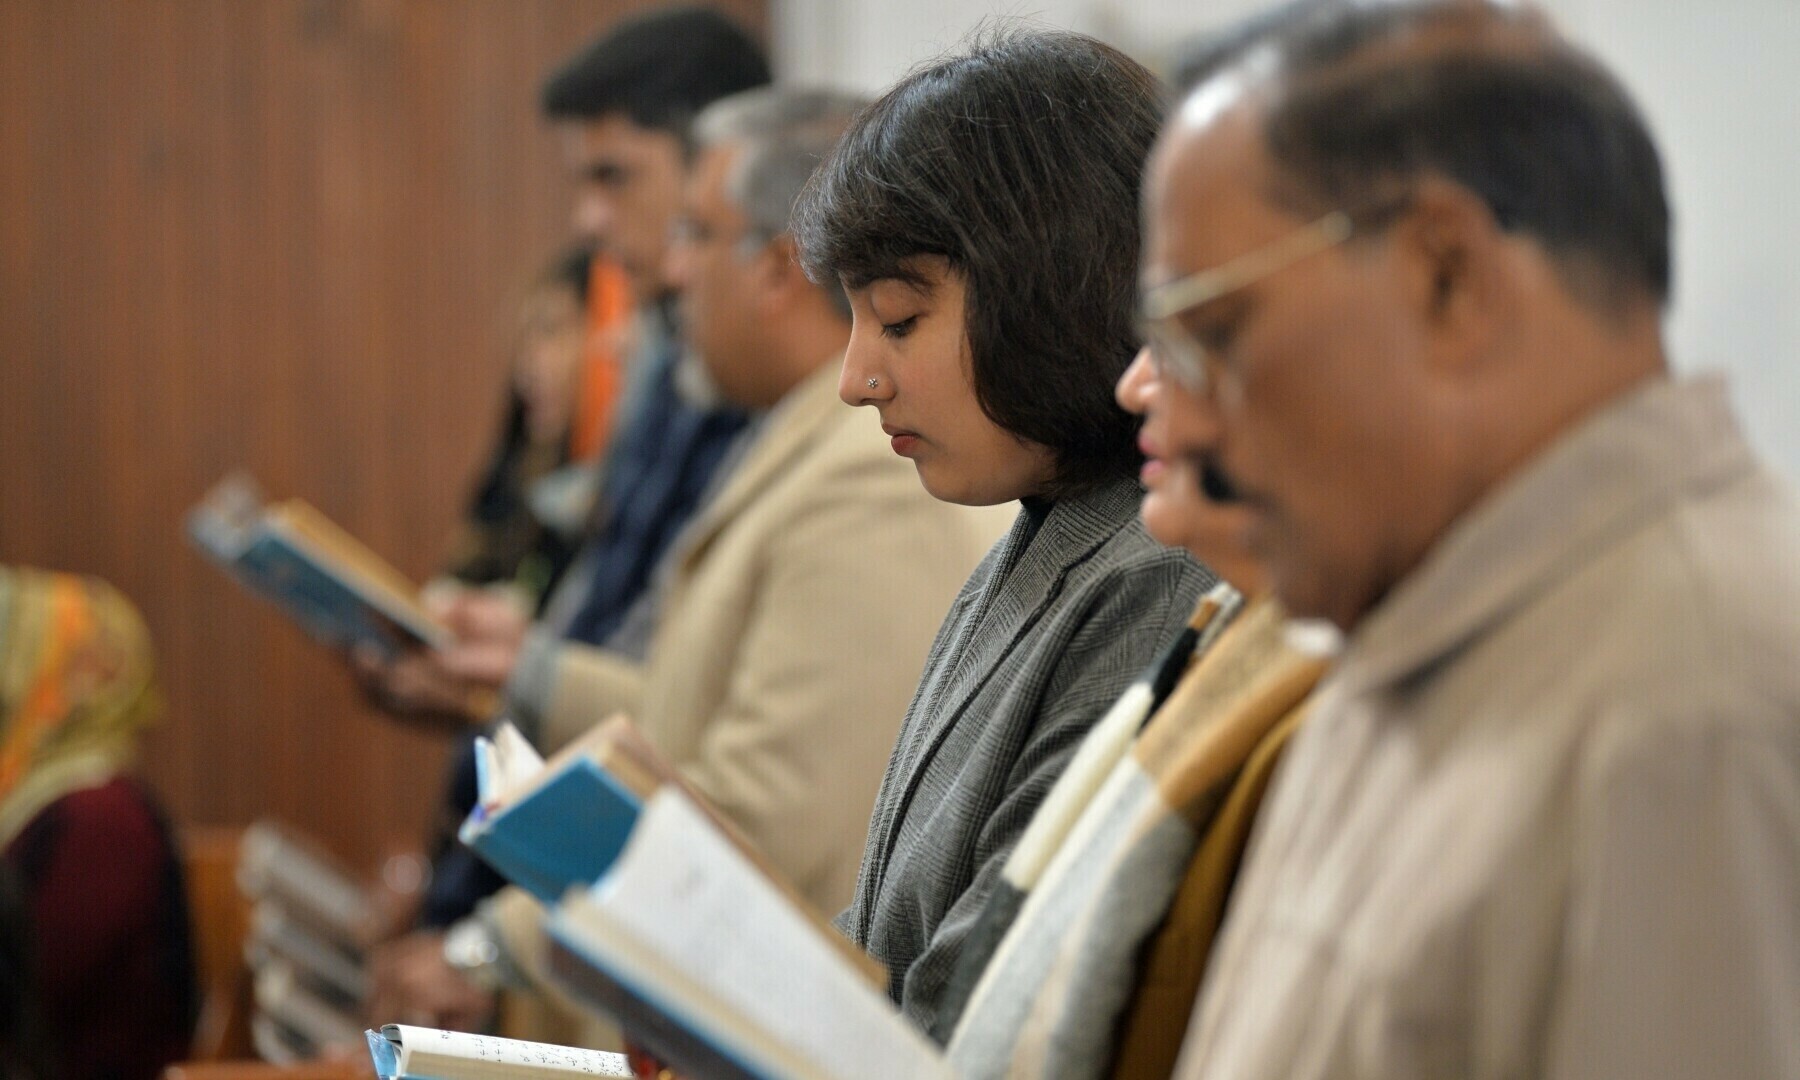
(548, 827)
(432, 1054)
(339, 590)
(713, 968)
(552, 826)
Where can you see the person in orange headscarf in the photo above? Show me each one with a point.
(112, 970)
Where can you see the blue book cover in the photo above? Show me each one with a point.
(333, 598)
(323, 604)
(565, 833)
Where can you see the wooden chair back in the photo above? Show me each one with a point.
(221, 919)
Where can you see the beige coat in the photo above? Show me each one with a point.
(1544, 818)
(792, 634)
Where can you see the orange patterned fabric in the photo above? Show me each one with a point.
(76, 685)
(609, 319)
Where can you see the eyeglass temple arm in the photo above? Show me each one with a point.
(1179, 295)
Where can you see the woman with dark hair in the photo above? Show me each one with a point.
(982, 216)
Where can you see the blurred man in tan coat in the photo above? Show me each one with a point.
(795, 613)
(1544, 819)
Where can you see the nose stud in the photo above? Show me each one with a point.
(873, 383)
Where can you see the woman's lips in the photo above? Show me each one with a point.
(902, 440)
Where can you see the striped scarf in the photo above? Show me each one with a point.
(1162, 832)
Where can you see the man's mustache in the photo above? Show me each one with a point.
(1214, 483)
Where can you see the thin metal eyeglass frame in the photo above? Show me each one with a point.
(1173, 350)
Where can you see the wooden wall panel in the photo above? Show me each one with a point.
(278, 235)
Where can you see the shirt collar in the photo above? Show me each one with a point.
(1611, 474)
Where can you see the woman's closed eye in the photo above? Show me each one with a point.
(899, 329)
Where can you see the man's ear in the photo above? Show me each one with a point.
(778, 270)
(1459, 268)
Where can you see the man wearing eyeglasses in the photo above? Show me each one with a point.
(1405, 273)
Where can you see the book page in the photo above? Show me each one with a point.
(684, 890)
(274, 930)
(279, 991)
(626, 753)
(276, 864)
(457, 1055)
(517, 764)
(226, 516)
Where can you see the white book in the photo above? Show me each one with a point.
(702, 957)
(402, 1052)
(280, 992)
(274, 932)
(275, 864)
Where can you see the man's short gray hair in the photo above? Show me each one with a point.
(784, 132)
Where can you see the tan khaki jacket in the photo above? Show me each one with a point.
(791, 636)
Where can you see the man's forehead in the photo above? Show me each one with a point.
(708, 181)
(1206, 160)
(608, 134)
(1217, 98)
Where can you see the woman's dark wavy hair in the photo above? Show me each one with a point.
(1018, 160)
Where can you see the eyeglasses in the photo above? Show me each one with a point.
(1174, 351)
(685, 230)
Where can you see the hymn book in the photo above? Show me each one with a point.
(548, 826)
(718, 972)
(331, 583)
(552, 826)
(402, 1052)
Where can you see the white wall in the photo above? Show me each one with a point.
(1718, 81)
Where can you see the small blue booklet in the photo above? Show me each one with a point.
(548, 827)
(331, 583)
(402, 1052)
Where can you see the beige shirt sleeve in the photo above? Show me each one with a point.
(589, 684)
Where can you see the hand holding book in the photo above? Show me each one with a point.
(671, 922)
(458, 682)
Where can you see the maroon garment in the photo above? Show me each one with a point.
(113, 953)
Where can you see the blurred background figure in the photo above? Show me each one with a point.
(811, 656)
(23, 1055)
(526, 515)
(111, 970)
(623, 106)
